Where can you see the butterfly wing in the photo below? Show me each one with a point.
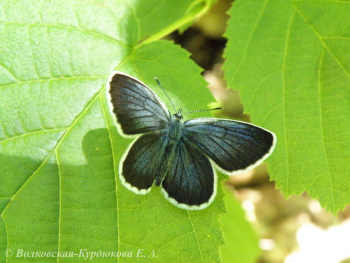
(136, 107)
(233, 145)
(190, 182)
(139, 164)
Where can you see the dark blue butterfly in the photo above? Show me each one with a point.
(175, 154)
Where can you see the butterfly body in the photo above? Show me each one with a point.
(176, 155)
(172, 137)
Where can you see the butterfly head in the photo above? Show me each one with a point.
(178, 116)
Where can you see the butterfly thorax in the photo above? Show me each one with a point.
(175, 127)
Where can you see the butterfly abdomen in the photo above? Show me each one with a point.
(172, 139)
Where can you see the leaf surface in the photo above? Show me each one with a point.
(241, 241)
(59, 147)
(290, 61)
(160, 18)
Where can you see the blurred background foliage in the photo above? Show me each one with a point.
(290, 230)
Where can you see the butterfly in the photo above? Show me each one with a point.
(178, 155)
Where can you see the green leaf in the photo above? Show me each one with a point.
(160, 18)
(59, 148)
(289, 59)
(242, 243)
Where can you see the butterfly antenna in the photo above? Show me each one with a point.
(201, 110)
(165, 94)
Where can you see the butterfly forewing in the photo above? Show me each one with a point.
(137, 108)
(234, 146)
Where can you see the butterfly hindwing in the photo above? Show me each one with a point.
(233, 145)
(139, 165)
(136, 107)
(190, 182)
